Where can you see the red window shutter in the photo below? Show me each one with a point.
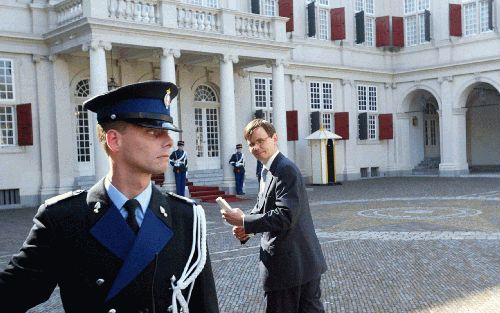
(292, 126)
(398, 36)
(383, 35)
(286, 10)
(337, 20)
(385, 126)
(24, 125)
(342, 124)
(455, 20)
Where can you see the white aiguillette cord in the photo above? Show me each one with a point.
(191, 271)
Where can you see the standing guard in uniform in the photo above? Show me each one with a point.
(123, 246)
(179, 162)
(238, 162)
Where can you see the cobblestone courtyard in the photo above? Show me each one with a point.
(412, 244)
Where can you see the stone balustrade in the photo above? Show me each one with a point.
(198, 18)
(140, 11)
(173, 15)
(251, 25)
(68, 11)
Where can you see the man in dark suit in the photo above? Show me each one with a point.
(238, 162)
(121, 246)
(178, 160)
(291, 260)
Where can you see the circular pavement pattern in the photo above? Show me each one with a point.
(419, 213)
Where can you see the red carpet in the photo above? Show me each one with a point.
(209, 194)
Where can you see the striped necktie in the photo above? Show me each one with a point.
(263, 177)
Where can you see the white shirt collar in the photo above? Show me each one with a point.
(119, 199)
(271, 160)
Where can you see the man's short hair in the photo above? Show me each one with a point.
(256, 123)
(119, 126)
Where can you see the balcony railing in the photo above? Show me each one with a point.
(172, 14)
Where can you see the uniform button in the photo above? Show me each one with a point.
(99, 282)
(112, 311)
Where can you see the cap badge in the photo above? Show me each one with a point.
(167, 99)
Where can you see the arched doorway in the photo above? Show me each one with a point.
(206, 119)
(83, 131)
(483, 128)
(424, 151)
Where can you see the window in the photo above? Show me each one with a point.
(263, 96)
(368, 7)
(7, 112)
(7, 125)
(204, 3)
(476, 17)
(323, 20)
(6, 80)
(321, 99)
(205, 94)
(367, 103)
(414, 20)
(269, 7)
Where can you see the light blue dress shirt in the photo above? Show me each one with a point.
(119, 200)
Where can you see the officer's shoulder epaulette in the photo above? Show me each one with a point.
(63, 196)
(184, 199)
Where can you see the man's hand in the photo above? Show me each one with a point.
(239, 233)
(233, 217)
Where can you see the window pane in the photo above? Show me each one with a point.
(269, 7)
(372, 98)
(372, 127)
(369, 30)
(323, 24)
(327, 96)
(483, 16)
(362, 98)
(6, 80)
(315, 96)
(411, 30)
(7, 125)
(470, 19)
(421, 27)
(260, 92)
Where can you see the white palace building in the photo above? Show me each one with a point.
(409, 85)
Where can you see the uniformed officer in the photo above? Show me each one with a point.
(238, 162)
(122, 246)
(179, 162)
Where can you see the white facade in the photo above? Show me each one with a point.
(442, 94)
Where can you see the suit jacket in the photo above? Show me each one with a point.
(290, 253)
(81, 242)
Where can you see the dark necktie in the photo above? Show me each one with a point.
(130, 207)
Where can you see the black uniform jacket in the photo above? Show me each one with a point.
(80, 242)
(290, 253)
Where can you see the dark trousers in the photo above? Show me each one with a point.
(239, 178)
(300, 299)
(180, 183)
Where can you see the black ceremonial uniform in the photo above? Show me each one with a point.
(80, 242)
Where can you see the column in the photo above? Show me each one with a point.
(403, 143)
(279, 107)
(349, 103)
(167, 69)
(446, 127)
(47, 125)
(98, 85)
(227, 114)
(460, 140)
(167, 73)
(301, 150)
(64, 131)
